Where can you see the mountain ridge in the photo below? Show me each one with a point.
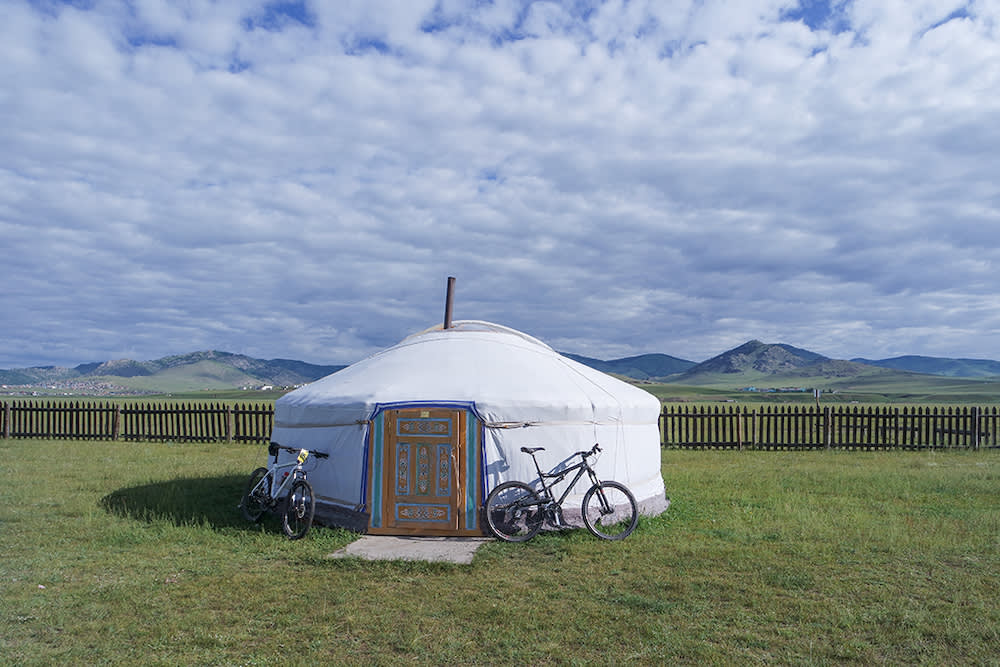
(195, 370)
(959, 367)
(750, 363)
(641, 367)
(766, 358)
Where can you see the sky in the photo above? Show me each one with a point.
(298, 179)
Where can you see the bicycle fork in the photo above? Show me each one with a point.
(602, 499)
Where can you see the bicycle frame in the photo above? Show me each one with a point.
(286, 481)
(277, 487)
(556, 477)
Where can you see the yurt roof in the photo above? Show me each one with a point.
(508, 376)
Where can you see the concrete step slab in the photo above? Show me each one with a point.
(399, 547)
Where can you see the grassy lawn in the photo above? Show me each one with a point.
(912, 389)
(135, 553)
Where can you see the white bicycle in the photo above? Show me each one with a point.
(282, 487)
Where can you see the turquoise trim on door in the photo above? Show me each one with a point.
(471, 478)
(377, 443)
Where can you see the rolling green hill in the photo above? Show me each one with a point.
(751, 360)
(764, 372)
(200, 375)
(188, 372)
(968, 368)
(753, 364)
(642, 367)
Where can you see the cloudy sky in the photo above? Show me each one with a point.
(299, 179)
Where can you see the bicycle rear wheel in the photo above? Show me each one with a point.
(297, 513)
(255, 500)
(610, 511)
(513, 512)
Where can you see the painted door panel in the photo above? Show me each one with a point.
(424, 449)
(425, 472)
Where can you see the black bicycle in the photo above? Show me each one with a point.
(290, 493)
(515, 511)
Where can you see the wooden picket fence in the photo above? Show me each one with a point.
(831, 427)
(179, 422)
(682, 426)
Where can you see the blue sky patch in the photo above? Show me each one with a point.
(365, 44)
(820, 15)
(139, 40)
(53, 7)
(276, 15)
(960, 13)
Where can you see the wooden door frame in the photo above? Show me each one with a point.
(469, 484)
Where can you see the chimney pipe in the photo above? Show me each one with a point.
(447, 302)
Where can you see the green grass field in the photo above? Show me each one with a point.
(135, 553)
(899, 390)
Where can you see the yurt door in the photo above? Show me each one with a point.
(423, 485)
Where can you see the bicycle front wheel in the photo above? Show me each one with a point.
(297, 513)
(514, 512)
(610, 511)
(255, 500)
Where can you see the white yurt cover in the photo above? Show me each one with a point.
(521, 390)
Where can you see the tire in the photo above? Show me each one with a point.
(256, 499)
(610, 511)
(298, 509)
(513, 512)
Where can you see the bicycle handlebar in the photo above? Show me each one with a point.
(294, 450)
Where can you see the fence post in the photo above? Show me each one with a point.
(229, 423)
(739, 427)
(827, 427)
(975, 428)
(116, 422)
(6, 420)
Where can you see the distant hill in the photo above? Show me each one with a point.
(187, 372)
(771, 364)
(754, 357)
(753, 363)
(642, 367)
(966, 368)
(781, 365)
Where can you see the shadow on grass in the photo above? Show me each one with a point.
(210, 501)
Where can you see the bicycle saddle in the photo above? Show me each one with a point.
(532, 450)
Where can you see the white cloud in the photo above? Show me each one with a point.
(298, 180)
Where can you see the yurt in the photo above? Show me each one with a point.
(420, 432)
